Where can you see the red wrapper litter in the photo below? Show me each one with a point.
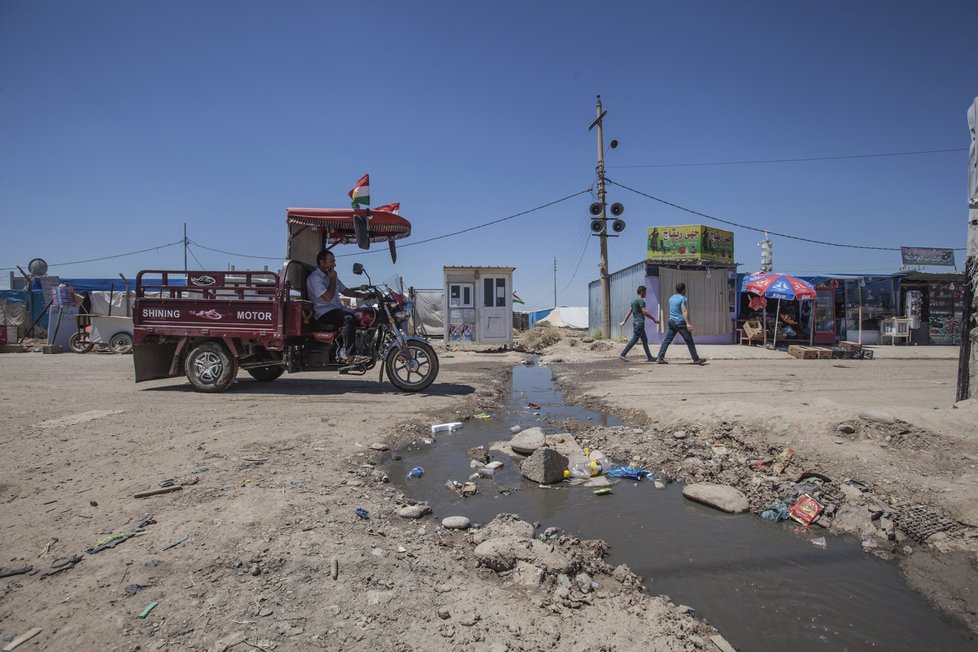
(806, 510)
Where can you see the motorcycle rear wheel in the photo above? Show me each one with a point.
(413, 371)
(210, 368)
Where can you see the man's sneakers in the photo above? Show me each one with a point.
(661, 362)
(622, 358)
(346, 358)
(700, 362)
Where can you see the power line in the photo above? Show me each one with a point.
(502, 219)
(419, 242)
(95, 260)
(194, 256)
(754, 228)
(578, 266)
(797, 160)
(231, 253)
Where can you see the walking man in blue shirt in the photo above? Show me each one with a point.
(679, 324)
(638, 313)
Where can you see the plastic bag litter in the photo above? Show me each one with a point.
(630, 472)
(776, 512)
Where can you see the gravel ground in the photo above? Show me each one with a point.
(261, 547)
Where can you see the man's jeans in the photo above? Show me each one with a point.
(639, 334)
(345, 319)
(678, 327)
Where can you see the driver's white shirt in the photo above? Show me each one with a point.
(317, 284)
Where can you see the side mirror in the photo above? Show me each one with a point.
(361, 231)
(357, 269)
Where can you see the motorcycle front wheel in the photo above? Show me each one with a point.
(413, 370)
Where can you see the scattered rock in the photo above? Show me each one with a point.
(478, 454)
(504, 525)
(846, 428)
(719, 496)
(583, 581)
(255, 570)
(379, 597)
(527, 574)
(504, 553)
(228, 642)
(877, 415)
(495, 466)
(853, 519)
(455, 523)
(527, 441)
(444, 613)
(379, 447)
(544, 466)
(722, 644)
(469, 489)
(679, 434)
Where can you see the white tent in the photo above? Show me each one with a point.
(567, 317)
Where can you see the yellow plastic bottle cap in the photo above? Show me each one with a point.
(566, 473)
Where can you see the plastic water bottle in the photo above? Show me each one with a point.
(445, 427)
(416, 472)
(580, 470)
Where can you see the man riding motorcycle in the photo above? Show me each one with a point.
(324, 287)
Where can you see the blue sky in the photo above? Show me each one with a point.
(120, 121)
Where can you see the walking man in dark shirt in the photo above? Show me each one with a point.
(679, 324)
(638, 313)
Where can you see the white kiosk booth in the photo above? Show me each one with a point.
(478, 304)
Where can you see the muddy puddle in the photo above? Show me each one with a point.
(765, 586)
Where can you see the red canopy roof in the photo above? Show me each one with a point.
(337, 223)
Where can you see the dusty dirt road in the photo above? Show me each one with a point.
(916, 450)
(244, 555)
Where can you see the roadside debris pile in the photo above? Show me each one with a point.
(721, 469)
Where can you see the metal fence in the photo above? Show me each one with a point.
(624, 283)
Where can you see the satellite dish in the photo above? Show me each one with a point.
(37, 267)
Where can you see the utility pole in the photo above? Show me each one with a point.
(603, 236)
(967, 358)
(185, 243)
(555, 281)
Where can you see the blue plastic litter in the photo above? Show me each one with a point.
(631, 472)
(362, 513)
(776, 512)
(416, 472)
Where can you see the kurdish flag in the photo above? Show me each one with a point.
(516, 298)
(361, 192)
(390, 208)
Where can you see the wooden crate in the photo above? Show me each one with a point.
(850, 346)
(809, 352)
